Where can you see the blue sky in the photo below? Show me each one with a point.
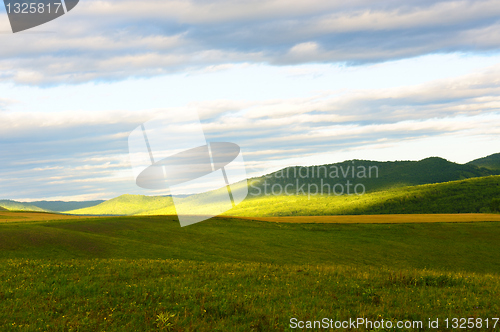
(291, 82)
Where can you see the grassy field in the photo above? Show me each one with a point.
(383, 218)
(23, 216)
(227, 274)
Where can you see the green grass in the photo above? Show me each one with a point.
(474, 195)
(149, 274)
(441, 246)
(163, 295)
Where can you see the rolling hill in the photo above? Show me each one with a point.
(462, 196)
(18, 206)
(491, 162)
(383, 183)
(127, 205)
(373, 175)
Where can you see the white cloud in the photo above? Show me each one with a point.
(4, 103)
(115, 40)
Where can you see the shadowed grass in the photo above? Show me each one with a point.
(443, 246)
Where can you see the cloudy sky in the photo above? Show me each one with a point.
(292, 82)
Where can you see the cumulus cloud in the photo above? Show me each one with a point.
(114, 40)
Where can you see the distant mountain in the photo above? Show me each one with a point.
(491, 162)
(18, 206)
(60, 206)
(372, 175)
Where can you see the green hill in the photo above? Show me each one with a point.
(491, 162)
(228, 274)
(373, 175)
(3, 209)
(286, 192)
(127, 205)
(464, 196)
(18, 206)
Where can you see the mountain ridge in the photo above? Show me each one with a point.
(384, 175)
(491, 162)
(64, 206)
(389, 175)
(369, 175)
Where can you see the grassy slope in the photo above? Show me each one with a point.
(466, 196)
(463, 196)
(228, 274)
(126, 205)
(17, 206)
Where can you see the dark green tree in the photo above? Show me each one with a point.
(495, 205)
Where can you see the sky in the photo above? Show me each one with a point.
(291, 82)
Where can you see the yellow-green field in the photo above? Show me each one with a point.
(383, 218)
(10, 216)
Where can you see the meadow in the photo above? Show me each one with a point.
(230, 274)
